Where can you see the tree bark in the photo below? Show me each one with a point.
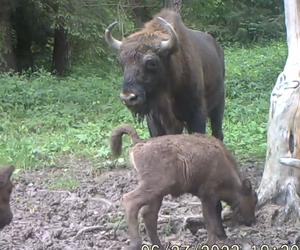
(23, 51)
(61, 60)
(7, 56)
(174, 4)
(281, 178)
(140, 13)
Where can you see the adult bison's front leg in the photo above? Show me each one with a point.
(163, 124)
(154, 125)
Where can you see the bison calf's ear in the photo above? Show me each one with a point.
(247, 187)
(5, 174)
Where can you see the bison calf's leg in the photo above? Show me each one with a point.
(213, 221)
(150, 216)
(133, 201)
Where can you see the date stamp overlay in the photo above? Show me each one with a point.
(223, 247)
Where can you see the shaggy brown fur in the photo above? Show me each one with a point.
(5, 191)
(178, 164)
(182, 87)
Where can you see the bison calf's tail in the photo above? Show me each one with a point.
(116, 138)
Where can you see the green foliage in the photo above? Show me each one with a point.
(43, 117)
(251, 75)
(85, 22)
(237, 21)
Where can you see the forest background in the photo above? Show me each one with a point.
(60, 82)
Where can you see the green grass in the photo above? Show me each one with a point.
(43, 117)
(250, 77)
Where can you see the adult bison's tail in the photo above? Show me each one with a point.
(116, 138)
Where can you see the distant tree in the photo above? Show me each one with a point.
(61, 46)
(7, 55)
(22, 21)
(35, 31)
(61, 58)
(26, 32)
(141, 12)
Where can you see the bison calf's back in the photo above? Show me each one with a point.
(178, 164)
(5, 191)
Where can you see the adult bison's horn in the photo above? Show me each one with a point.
(114, 43)
(172, 43)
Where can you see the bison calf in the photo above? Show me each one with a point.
(5, 191)
(177, 164)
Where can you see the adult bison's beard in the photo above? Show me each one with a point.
(151, 107)
(139, 113)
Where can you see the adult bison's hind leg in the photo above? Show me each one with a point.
(216, 120)
(197, 122)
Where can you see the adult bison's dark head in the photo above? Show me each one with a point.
(144, 57)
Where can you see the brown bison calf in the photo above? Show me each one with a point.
(5, 191)
(177, 164)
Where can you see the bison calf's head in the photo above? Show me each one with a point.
(244, 209)
(5, 191)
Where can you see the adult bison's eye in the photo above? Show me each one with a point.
(151, 64)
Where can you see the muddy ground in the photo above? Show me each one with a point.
(89, 214)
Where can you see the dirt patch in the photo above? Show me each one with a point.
(77, 207)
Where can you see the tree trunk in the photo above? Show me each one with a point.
(281, 177)
(24, 54)
(7, 56)
(24, 40)
(140, 13)
(174, 4)
(61, 62)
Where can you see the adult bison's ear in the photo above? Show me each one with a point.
(5, 174)
(114, 43)
(171, 45)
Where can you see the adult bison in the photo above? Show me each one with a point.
(172, 75)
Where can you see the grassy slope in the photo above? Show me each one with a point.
(43, 117)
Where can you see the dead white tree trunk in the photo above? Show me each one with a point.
(281, 178)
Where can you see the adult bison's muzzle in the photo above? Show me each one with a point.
(134, 99)
(130, 99)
